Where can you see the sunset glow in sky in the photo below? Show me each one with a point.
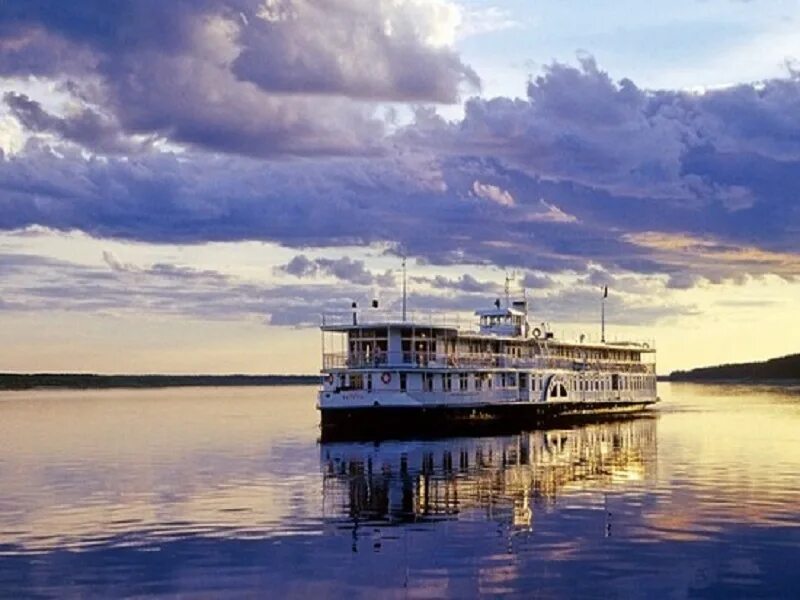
(185, 186)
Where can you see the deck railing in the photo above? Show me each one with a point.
(431, 360)
(416, 318)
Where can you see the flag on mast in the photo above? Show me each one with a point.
(605, 292)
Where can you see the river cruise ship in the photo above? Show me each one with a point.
(412, 370)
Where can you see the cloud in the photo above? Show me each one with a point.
(549, 213)
(264, 79)
(86, 127)
(719, 260)
(38, 283)
(578, 124)
(536, 281)
(578, 173)
(300, 266)
(378, 50)
(492, 193)
(415, 206)
(344, 268)
(476, 21)
(466, 283)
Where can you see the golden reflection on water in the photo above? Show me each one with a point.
(79, 468)
(495, 476)
(726, 454)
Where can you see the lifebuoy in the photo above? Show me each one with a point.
(537, 333)
(386, 377)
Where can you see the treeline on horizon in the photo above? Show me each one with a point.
(19, 381)
(785, 367)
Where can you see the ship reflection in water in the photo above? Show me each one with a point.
(505, 479)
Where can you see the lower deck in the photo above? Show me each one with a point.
(365, 387)
(442, 420)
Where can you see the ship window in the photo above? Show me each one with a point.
(478, 381)
(463, 381)
(369, 382)
(427, 382)
(403, 382)
(447, 382)
(512, 380)
(356, 381)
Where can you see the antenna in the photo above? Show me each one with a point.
(603, 315)
(404, 289)
(509, 278)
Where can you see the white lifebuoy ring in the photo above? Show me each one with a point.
(537, 333)
(386, 377)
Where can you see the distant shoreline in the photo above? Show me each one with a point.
(775, 382)
(782, 370)
(87, 381)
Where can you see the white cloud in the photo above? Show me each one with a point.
(550, 213)
(11, 136)
(493, 193)
(482, 20)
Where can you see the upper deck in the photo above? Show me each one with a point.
(502, 338)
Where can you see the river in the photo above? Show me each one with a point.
(228, 492)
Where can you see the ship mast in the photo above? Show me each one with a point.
(404, 289)
(603, 315)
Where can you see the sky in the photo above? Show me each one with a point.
(186, 186)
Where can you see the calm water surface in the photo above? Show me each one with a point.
(228, 493)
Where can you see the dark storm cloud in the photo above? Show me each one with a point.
(257, 78)
(413, 204)
(726, 157)
(87, 127)
(583, 172)
(367, 48)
